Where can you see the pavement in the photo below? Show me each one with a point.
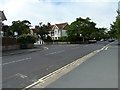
(21, 51)
(99, 71)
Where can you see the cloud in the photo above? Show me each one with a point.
(79, 0)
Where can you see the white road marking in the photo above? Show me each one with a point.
(16, 61)
(103, 48)
(21, 75)
(55, 52)
(45, 47)
(106, 48)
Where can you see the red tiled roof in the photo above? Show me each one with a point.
(61, 25)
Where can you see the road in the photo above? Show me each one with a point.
(22, 70)
(100, 71)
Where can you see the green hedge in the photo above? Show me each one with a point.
(26, 38)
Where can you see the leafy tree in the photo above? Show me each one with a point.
(64, 38)
(118, 27)
(81, 29)
(42, 30)
(102, 33)
(113, 30)
(21, 27)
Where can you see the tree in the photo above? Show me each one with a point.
(118, 28)
(113, 30)
(42, 30)
(102, 33)
(81, 29)
(21, 27)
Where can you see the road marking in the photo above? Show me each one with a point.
(45, 47)
(103, 48)
(55, 52)
(16, 61)
(106, 48)
(21, 75)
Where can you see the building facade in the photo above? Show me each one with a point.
(58, 30)
(2, 18)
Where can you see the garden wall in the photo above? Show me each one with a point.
(9, 44)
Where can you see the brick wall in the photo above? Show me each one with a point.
(8, 41)
(9, 44)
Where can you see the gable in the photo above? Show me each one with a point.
(2, 16)
(55, 27)
(62, 25)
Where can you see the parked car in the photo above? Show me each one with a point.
(92, 41)
(111, 40)
(102, 40)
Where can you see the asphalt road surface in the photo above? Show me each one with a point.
(19, 71)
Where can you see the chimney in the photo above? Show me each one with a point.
(36, 26)
(48, 24)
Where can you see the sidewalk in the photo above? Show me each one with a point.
(14, 52)
(99, 71)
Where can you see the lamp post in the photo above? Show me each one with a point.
(52, 34)
(2, 33)
(53, 39)
(80, 35)
(16, 34)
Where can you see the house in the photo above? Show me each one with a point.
(55, 31)
(50, 29)
(4, 29)
(2, 18)
(58, 30)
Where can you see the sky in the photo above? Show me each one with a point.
(102, 12)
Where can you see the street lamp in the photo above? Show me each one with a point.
(16, 34)
(2, 33)
(52, 34)
(80, 35)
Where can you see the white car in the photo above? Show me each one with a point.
(92, 41)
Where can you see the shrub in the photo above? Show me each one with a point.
(49, 39)
(26, 38)
(64, 38)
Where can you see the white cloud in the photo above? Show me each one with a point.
(79, 0)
